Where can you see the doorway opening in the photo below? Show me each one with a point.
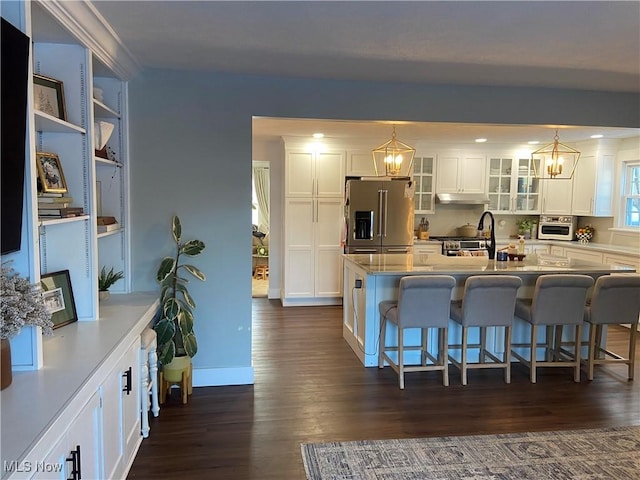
(260, 193)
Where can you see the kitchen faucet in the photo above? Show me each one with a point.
(491, 248)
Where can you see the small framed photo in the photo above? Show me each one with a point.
(48, 96)
(58, 297)
(50, 173)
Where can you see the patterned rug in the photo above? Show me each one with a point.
(608, 453)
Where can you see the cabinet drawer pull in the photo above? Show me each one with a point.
(127, 385)
(76, 466)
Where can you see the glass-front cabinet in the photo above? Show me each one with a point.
(513, 187)
(423, 168)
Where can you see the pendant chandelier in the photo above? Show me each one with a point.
(555, 161)
(396, 156)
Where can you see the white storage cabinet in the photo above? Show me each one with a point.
(461, 173)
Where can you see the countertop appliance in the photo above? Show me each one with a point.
(557, 227)
(454, 246)
(379, 216)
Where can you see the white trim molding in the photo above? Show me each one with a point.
(86, 24)
(216, 377)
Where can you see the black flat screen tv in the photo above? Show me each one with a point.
(14, 59)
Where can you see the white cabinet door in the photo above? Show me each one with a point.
(556, 251)
(581, 254)
(299, 174)
(557, 197)
(461, 174)
(360, 164)
(78, 452)
(593, 185)
(299, 244)
(121, 413)
(447, 174)
(423, 176)
(473, 171)
(314, 174)
(327, 246)
(329, 174)
(629, 261)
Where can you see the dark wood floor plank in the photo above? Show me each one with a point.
(310, 387)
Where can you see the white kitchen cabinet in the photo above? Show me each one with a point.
(360, 163)
(512, 186)
(427, 248)
(461, 173)
(583, 254)
(314, 174)
(121, 411)
(556, 251)
(313, 251)
(622, 260)
(77, 453)
(423, 176)
(556, 196)
(593, 181)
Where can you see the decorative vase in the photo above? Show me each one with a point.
(6, 376)
(103, 295)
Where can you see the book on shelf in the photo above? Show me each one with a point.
(61, 199)
(52, 206)
(105, 220)
(61, 212)
(108, 228)
(50, 195)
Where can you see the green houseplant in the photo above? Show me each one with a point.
(106, 279)
(524, 226)
(174, 325)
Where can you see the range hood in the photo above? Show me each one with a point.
(462, 198)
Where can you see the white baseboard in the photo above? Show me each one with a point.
(216, 377)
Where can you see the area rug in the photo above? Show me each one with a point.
(609, 453)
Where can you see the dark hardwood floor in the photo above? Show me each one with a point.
(309, 387)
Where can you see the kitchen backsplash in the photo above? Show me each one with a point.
(448, 218)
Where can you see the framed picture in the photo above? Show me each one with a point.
(50, 173)
(48, 96)
(58, 297)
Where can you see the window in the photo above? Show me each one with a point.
(631, 195)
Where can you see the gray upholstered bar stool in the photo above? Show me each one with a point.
(487, 301)
(423, 302)
(558, 300)
(615, 300)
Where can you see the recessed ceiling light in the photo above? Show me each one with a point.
(318, 135)
(533, 142)
(481, 140)
(597, 136)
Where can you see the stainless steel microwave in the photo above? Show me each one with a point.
(557, 227)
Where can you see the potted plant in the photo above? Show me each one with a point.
(21, 304)
(524, 227)
(105, 280)
(174, 325)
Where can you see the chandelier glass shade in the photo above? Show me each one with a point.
(555, 161)
(393, 158)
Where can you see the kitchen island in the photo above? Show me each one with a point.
(370, 279)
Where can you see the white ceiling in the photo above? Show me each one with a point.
(568, 44)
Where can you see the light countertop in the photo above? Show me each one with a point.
(407, 264)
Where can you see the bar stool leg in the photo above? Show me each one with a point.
(534, 340)
(507, 354)
(443, 334)
(383, 331)
(576, 375)
(401, 358)
(463, 355)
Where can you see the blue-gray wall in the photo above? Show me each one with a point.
(190, 143)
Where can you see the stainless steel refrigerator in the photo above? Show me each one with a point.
(379, 215)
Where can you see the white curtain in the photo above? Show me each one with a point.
(261, 185)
